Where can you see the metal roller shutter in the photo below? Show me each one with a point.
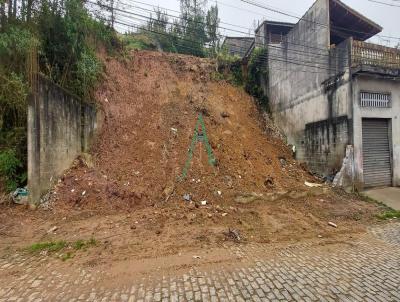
(376, 153)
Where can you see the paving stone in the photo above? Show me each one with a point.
(366, 270)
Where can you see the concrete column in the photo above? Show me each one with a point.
(33, 150)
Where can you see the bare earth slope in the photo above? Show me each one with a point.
(128, 196)
(151, 107)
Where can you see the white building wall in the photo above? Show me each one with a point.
(375, 84)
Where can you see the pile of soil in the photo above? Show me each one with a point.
(151, 104)
(128, 191)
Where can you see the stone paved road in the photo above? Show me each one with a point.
(366, 269)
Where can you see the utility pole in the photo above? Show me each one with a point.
(112, 14)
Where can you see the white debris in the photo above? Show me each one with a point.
(203, 202)
(53, 229)
(332, 224)
(174, 130)
(219, 193)
(312, 185)
(83, 193)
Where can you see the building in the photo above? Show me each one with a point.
(238, 46)
(271, 32)
(332, 92)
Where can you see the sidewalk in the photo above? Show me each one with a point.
(389, 196)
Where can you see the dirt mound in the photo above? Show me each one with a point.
(127, 192)
(151, 104)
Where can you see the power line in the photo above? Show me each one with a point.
(292, 51)
(385, 3)
(293, 60)
(265, 58)
(219, 27)
(270, 57)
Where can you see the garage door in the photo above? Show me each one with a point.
(376, 153)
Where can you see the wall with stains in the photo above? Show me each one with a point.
(310, 89)
(60, 127)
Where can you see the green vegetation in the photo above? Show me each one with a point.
(252, 77)
(64, 37)
(229, 68)
(194, 32)
(388, 212)
(256, 75)
(84, 244)
(58, 246)
(10, 170)
(389, 215)
(52, 246)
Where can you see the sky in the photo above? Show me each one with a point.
(245, 16)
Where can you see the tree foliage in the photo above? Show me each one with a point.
(194, 32)
(65, 36)
(256, 76)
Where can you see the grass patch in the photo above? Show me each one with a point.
(57, 246)
(51, 246)
(389, 215)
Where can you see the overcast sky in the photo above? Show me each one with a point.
(242, 14)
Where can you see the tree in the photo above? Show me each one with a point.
(193, 27)
(212, 23)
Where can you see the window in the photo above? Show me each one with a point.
(375, 99)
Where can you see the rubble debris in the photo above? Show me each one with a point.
(283, 161)
(20, 196)
(169, 190)
(233, 235)
(334, 225)
(312, 185)
(269, 182)
(344, 178)
(52, 230)
(225, 114)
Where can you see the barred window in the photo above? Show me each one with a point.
(375, 99)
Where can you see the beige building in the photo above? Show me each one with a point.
(330, 91)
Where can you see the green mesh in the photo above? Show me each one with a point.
(198, 136)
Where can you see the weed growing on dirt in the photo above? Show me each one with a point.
(389, 215)
(51, 246)
(84, 244)
(57, 246)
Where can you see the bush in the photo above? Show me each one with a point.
(256, 74)
(230, 68)
(137, 41)
(10, 167)
(88, 71)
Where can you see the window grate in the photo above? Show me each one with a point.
(375, 99)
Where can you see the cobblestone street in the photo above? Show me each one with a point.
(365, 269)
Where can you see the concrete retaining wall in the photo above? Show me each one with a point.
(60, 127)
